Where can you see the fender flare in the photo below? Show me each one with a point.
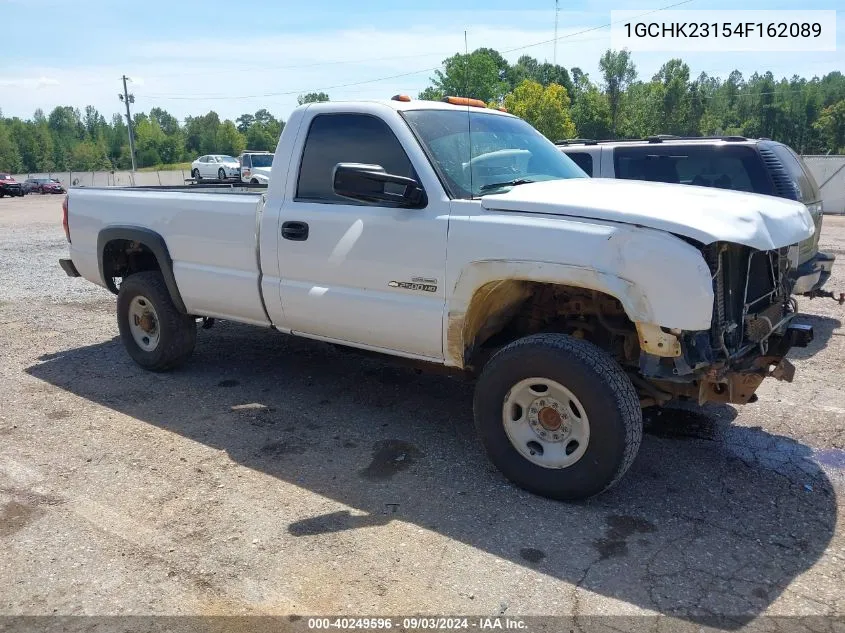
(152, 241)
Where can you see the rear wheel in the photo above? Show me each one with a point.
(558, 416)
(196, 175)
(156, 335)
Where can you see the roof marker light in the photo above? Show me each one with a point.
(465, 101)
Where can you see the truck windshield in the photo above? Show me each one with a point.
(477, 153)
(262, 160)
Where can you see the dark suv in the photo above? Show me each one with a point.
(726, 162)
(9, 186)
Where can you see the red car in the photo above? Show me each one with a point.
(43, 185)
(9, 186)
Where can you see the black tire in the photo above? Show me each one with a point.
(606, 393)
(196, 175)
(254, 181)
(221, 174)
(177, 331)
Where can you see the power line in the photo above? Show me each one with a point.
(414, 72)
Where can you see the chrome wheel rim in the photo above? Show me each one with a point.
(546, 423)
(144, 324)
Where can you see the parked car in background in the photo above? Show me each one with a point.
(42, 185)
(255, 167)
(219, 166)
(9, 186)
(723, 162)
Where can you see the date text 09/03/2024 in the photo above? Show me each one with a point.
(419, 623)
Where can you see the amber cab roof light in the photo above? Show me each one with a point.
(404, 98)
(465, 101)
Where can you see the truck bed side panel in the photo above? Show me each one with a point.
(210, 236)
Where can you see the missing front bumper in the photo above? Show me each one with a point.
(738, 383)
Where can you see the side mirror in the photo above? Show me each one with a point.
(372, 184)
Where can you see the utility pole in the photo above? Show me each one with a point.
(554, 60)
(127, 99)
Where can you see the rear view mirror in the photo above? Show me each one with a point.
(372, 184)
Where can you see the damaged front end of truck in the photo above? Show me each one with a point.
(752, 331)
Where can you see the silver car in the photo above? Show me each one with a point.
(219, 166)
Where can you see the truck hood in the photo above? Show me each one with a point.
(701, 213)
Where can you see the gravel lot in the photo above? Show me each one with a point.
(350, 486)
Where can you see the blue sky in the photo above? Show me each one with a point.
(235, 57)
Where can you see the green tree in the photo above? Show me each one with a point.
(547, 109)
(229, 140)
(201, 134)
(831, 127)
(431, 94)
(475, 75)
(10, 158)
(89, 156)
(166, 121)
(259, 138)
(545, 74)
(618, 71)
(643, 114)
(117, 144)
(263, 117)
(94, 122)
(149, 140)
(312, 97)
(591, 111)
(676, 108)
(45, 157)
(244, 122)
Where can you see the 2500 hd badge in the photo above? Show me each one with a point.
(416, 283)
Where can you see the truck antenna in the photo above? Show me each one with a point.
(557, 9)
(469, 118)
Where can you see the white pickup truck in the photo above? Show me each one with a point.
(457, 235)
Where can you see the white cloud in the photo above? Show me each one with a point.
(193, 76)
(28, 82)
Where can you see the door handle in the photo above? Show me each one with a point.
(296, 231)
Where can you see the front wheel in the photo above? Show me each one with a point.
(221, 175)
(156, 335)
(558, 416)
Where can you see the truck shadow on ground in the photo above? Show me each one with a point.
(711, 520)
(823, 328)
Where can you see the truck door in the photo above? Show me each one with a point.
(367, 274)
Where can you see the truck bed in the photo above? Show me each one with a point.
(210, 232)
